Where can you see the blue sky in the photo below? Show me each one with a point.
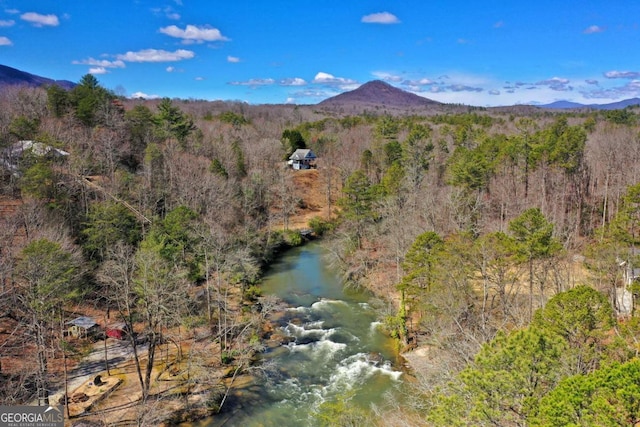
(483, 53)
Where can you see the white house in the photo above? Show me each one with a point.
(302, 158)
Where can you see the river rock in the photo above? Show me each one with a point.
(277, 339)
(376, 358)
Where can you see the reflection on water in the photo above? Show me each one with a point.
(335, 348)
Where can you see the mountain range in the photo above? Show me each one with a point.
(568, 105)
(12, 76)
(372, 95)
(379, 93)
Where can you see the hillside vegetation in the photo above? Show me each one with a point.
(496, 241)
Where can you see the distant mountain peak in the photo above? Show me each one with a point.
(378, 85)
(568, 105)
(13, 77)
(379, 93)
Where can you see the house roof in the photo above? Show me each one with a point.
(303, 154)
(83, 322)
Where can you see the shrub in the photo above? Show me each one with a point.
(293, 237)
(320, 225)
(252, 293)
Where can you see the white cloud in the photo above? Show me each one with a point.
(143, 96)
(170, 69)
(387, 77)
(98, 70)
(622, 74)
(253, 82)
(102, 63)
(8, 23)
(630, 89)
(553, 80)
(556, 83)
(199, 79)
(424, 82)
(311, 95)
(156, 55)
(193, 33)
(295, 81)
(412, 88)
(4, 41)
(417, 84)
(171, 13)
(39, 20)
(464, 88)
(467, 89)
(233, 59)
(167, 11)
(380, 18)
(593, 29)
(329, 79)
(322, 76)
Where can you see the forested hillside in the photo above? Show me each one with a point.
(498, 242)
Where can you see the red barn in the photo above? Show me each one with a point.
(116, 331)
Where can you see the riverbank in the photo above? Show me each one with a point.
(192, 382)
(192, 376)
(326, 347)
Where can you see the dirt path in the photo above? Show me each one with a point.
(310, 188)
(118, 352)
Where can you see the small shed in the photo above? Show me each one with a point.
(82, 327)
(302, 158)
(116, 330)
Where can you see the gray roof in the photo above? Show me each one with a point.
(83, 322)
(303, 154)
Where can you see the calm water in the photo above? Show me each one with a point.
(337, 350)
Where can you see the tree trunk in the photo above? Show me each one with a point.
(530, 288)
(106, 355)
(149, 368)
(66, 384)
(605, 203)
(42, 380)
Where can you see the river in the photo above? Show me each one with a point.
(337, 350)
